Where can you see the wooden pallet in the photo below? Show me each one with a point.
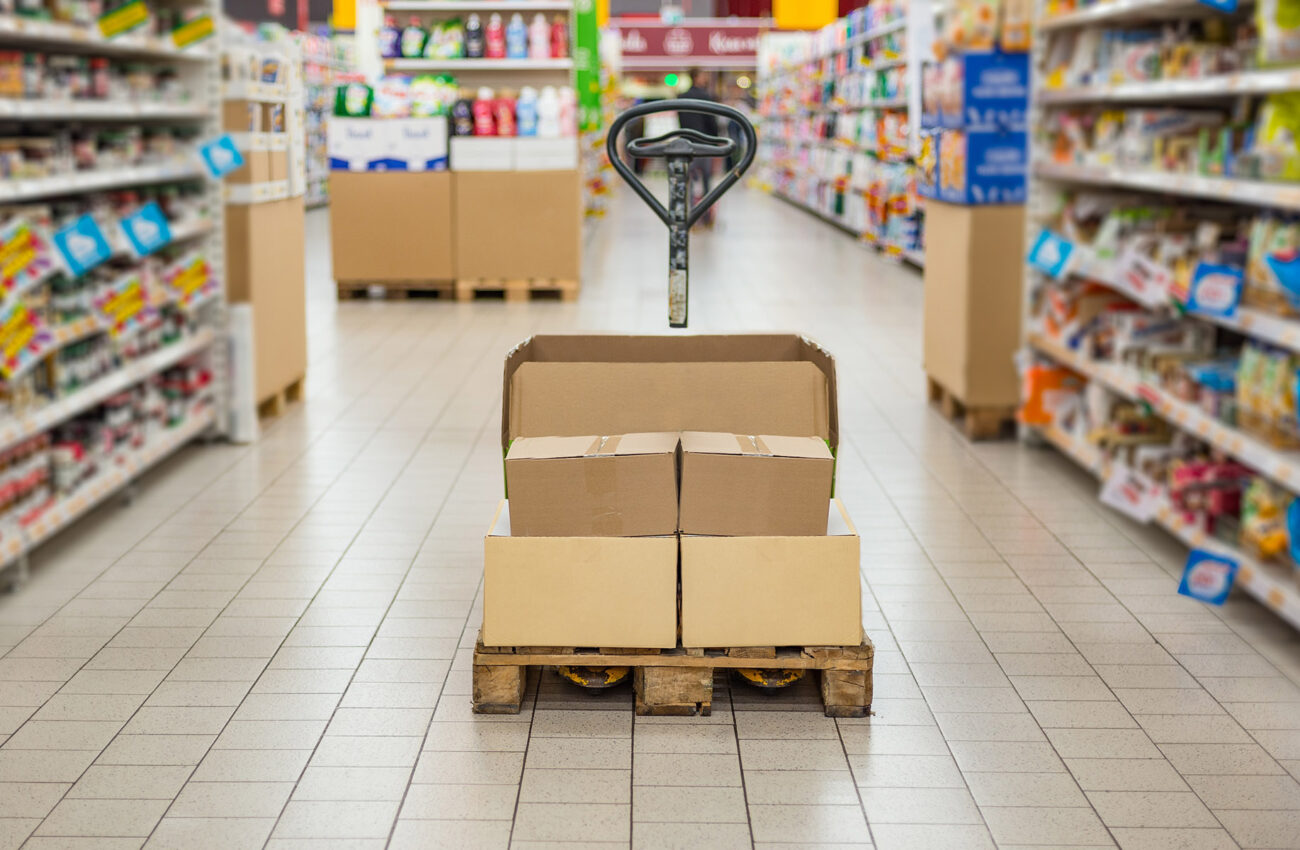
(278, 401)
(394, 290)
(516, 289)
(676, 681)
(976, 422)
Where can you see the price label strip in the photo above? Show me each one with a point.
(125, 306)
(190, 281)
(24, 340)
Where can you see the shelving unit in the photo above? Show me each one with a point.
(197, 72)
(820, 145)
(324, 58)
(1275, 585)
(463, 65)
(472, 5)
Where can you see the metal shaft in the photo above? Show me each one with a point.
(679, 209)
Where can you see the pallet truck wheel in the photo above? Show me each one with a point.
(770, 681)
(595, 679)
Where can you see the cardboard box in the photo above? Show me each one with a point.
(615, 486)
(256, 168)
(773, 591)
(973, 301)
(534, 154)
(513, 224)
(241, 116)
(977, 91)
(482, 153)
(266, 267)
(392, 226)
(754, 484)
(278, 165)
(578, 591)
(273, 117)
(974, 166)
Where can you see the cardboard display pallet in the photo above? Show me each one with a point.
(395, 289)
(976, 422)
(677, 681)
(517, 289)
(275, 404)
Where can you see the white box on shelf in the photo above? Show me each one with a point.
(477, 153)
(358, 144)
(534, 154)
(419, 144)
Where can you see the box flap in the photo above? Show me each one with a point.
(765, 445)
(546, 448)
(551, 447)
(608, 383)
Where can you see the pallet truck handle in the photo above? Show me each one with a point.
(679, 149)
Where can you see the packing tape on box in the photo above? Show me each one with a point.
(752, 444)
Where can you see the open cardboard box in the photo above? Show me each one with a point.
(578, 385)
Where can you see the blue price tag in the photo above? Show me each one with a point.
(1051, 254)
(82, 245)
(147, 229)
(221, 156)
(1215, 290)
(1207, 577)
(1222, 5)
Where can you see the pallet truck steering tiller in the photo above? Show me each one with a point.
(679, 148)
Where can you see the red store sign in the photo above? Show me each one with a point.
(705, 44)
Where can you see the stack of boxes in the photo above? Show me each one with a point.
(670, 491)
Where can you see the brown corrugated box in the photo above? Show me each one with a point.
(774, 590)
(241, 116)
(755, 484)
(278, 165)
(513, 224)
(973, 300)
(256, 168)
(393, 225)
(578, 591)
(612, 486)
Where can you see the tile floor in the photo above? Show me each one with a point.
(271, 647)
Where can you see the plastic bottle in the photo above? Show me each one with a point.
(474, 37)
(462, 117)
(526, 112)
(517, 38)
(389, 36)
(484, 123)
(413, 37)
(568, 112)
(504, 107)
(539, 38)
(559, 38)
(548, 113)
(495, 37)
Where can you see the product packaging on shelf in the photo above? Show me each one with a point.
(754, 484)
(593, 486)
(973, 166)
(976, 91)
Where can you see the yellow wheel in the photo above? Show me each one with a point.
(595, 678)
(772, 679)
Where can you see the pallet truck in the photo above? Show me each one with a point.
(679, 149)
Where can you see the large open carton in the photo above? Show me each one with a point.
(577, 385)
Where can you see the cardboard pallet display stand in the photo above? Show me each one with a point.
(581, 591)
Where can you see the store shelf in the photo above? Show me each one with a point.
(64, 511)
(1203, 88)
(256, 193)
(882, 65)
(1128, 10)
(14, 429)
(1272, 584)
(829, 219)
(55, 34)
(915, 256)
(463, 65)
(479, 5)
(90, 181)
(877, 32)
(890, 103)
(81, 110)
(260, 92)
(1251, 192)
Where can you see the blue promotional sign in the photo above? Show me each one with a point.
(1051, 254)
(221, 155)
(1207, 577)
(1215, 290)
(147, 229)
(1222, 5)
(82, 245)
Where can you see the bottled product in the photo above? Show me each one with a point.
(462, 117)
(413, 36)
(568, 112)
(517, 38)
(495, 38)
(451, 44)
(474, 37)
(548, 113)
(353, 99)
(526, 112)
(389, 35)
(484, 122)
(504, 108)
(559, 38)
(539, 37)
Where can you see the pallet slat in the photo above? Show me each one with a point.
(977, 422)
(276, 404)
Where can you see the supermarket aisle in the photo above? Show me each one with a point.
(272, 645)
